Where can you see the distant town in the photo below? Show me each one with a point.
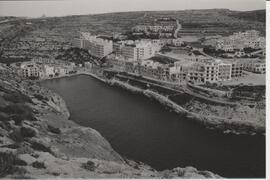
(155, 51)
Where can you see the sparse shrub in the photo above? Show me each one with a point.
(55, 173)
(19, 171)
(206, 174)
(180, 172)
(17, 118)
(6, 163)
(4, 125)
(28, 132)
(108, 172)
(16, 97)
(17, 109)
(20, 162)
(166, 174)
(89, 165)
(20, 112)
(16, 136)
(54, 129)
(3, 118)
(24, 149)
(40, 147)
(40, 97)
(22, 176)
(11, 146)
(38, 165)
(136, 166)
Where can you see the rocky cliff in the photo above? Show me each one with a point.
(37, 140)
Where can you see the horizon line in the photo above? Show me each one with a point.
(99, 13)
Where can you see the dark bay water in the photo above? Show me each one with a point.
(142, 129)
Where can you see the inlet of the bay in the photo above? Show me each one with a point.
(141, 129)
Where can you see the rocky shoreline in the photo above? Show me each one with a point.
(216, 123)
(228, 126)
(38, 140)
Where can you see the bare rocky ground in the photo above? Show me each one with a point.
(37, 140)
(255, 113)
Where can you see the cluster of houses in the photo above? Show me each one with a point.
(138, 57)
(181, 71)
(204, 70)
(43, 68)
(153, 28)
(101, 46)
(162, 27)
(238, 41)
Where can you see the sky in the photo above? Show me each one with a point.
(76, 7)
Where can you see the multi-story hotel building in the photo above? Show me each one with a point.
(29, 70)
(196, 73)
(224, 71)
(134, 51)
(214, 71)
(237, 69)
(97, 46)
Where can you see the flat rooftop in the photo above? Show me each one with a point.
(163, 59)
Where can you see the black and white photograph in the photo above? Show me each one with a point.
(133, 89)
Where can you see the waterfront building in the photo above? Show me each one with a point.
(60, 71)
(135, 50)
(237, 69)
(224, 71)
(196, 73)
(48, 71)
(88, 65)
(96, 46)
(44, 68)
(211, 72)
(178, 72)
(29, 70)
(129, 52)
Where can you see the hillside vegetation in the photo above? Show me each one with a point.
(47, 37)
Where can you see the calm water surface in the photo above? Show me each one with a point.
(142, 129)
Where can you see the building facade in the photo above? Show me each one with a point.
(96, 46)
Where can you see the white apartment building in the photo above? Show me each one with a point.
(178, 73)
(196, 73)
(48, 70)
(135, 51)
(211, 72)
(224, 71)
(29, 70)
(77, 42)
(96, 46)
(241, 40)
(153, 28)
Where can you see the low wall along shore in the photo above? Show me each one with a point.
(217, 123)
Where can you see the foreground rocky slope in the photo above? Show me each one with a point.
(38, 141)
